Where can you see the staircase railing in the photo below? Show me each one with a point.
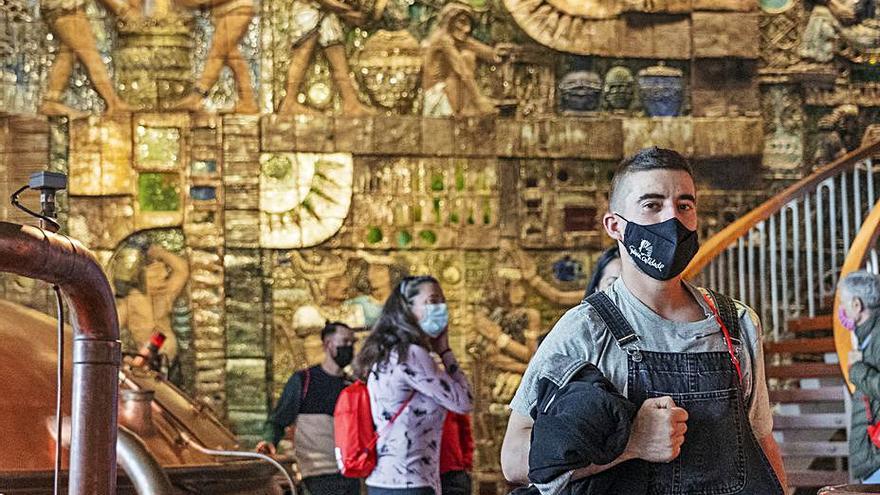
(783, 258)
(862, 254)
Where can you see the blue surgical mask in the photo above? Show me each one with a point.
(435, 320)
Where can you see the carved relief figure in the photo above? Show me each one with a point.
(320, 23)
(507, 338)
(331, 304)
(231, 19)
(832, 20)
(512, 329)
(820, 36)
(783, 128)
(450, 63)
(147, 284)
(544, 288)
(376, 277)
(68, 22)
(837, 134)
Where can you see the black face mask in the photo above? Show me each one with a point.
(344, 355)
(661, 250)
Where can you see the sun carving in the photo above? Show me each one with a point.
(587, 27)
(588, 9)
(304, 197)
(567, 25)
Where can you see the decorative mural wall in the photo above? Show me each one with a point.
(247, 170)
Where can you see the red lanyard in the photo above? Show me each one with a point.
(727, 338)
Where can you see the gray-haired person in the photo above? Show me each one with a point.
(859, 304)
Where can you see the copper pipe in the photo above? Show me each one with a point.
(142, 468)
(57, 259)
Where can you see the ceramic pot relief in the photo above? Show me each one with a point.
(580, 91)
(389, 67)
(619, 88)
(661, 89)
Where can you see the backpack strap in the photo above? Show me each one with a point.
(727, 311)
(728, 322)
(307, 378)
(393, 418)
(615, 321)
(402, 407)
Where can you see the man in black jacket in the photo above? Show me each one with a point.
(308, 401)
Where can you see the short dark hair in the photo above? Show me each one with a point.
(652, 158)
(330, 329)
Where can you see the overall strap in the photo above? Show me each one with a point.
(615, 321)
(727, 311)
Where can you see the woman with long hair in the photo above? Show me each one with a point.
(400, 372)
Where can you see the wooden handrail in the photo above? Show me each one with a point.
(855, 260)
(716, 244)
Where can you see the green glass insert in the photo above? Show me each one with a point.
(158, 147)
(158, 192)
(459, 177)
(438, 213)
(404, 238)
(437, 181)
(428, 236)
(374, 235)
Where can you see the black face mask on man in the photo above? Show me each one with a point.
(344, 355)
(661, 250)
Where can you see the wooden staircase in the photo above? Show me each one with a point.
(808, 395)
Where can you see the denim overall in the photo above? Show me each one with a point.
(720, 454)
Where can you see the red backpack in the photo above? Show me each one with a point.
(354, 432)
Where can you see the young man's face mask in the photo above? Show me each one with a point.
(661, 250)
(344, 355)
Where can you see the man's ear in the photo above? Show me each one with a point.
(858, 306)
(614, 226)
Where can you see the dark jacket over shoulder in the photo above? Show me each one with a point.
(581, 419)
(864, 457)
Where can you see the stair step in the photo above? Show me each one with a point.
(806, 345)
(803, 370)
(814, 449)
(799, 395)
(810, 324)
(809, 421)
(816, 478)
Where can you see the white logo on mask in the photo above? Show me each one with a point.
(646, 249)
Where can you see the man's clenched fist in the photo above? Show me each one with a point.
(658, 431)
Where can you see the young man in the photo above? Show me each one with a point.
(702, 396)
(308, 400)
(859, 305)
